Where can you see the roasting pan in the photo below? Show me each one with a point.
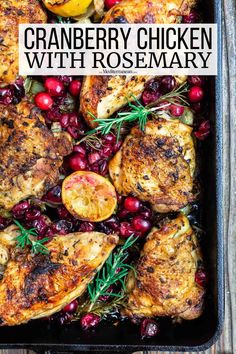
(197, 335)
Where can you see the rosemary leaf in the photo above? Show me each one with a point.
(114, 271)
(25, 238)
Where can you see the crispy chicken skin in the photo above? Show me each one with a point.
(35, 286)
(156, 165)
(165, 274)
(30, 155)
(104, 95)
(12, 13)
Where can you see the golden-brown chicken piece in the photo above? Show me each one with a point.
(35, 286)
(104, 95)
(30, 155)
(156, 165)
(12, 13)
(164, 284)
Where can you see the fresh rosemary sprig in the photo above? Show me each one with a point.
(25, 238)
(92, 140)
(102, 309)
(139, 112)
(114, 271)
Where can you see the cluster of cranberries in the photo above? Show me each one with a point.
(32, 217)
(12, 94)
(58, 102)
(94, 157)
(55, 87)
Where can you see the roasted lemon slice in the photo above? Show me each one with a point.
(67, 8)
(88, 196)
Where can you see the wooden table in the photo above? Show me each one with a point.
(227, 342)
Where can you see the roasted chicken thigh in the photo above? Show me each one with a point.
(164, 284)
(35, 286)
(30, 155)
(156, 165)
(104, 95)
(12, 13)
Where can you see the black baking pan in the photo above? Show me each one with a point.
(196, 335)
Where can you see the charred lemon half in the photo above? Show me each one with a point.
(89, 196)
(67, 8)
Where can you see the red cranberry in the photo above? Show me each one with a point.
(74, 120)
(117, 146)
(113, 223)
(104, 298)
(126, 230)
(86, 226)
(43, 100)
(19, 90)
(75, 132)
(77, 162)
(109, 139)
(119, 198)
(151, 91)
(141, 224)
(54, 86)
(110, 3)
(196, 80)
(149, 97)
(176, 110)
(94, 168)
(193, 17)
(146, 212)
(103, 168)
(201, 278)
(53, 115)
(64, 120)
(62, 212)
(53, 195)
(72, 307)
(79, 148)
(41, 225)
(107, 151)
(65, 79)
(19, 210)
(75, 87)
(132, 204)
(195, 94)
(61, 227)
(32, 214)
(203, 131)
(93, 157)
(123, 213)
(90, 320)
(167, 84)
(149, 328)
(6, 95)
